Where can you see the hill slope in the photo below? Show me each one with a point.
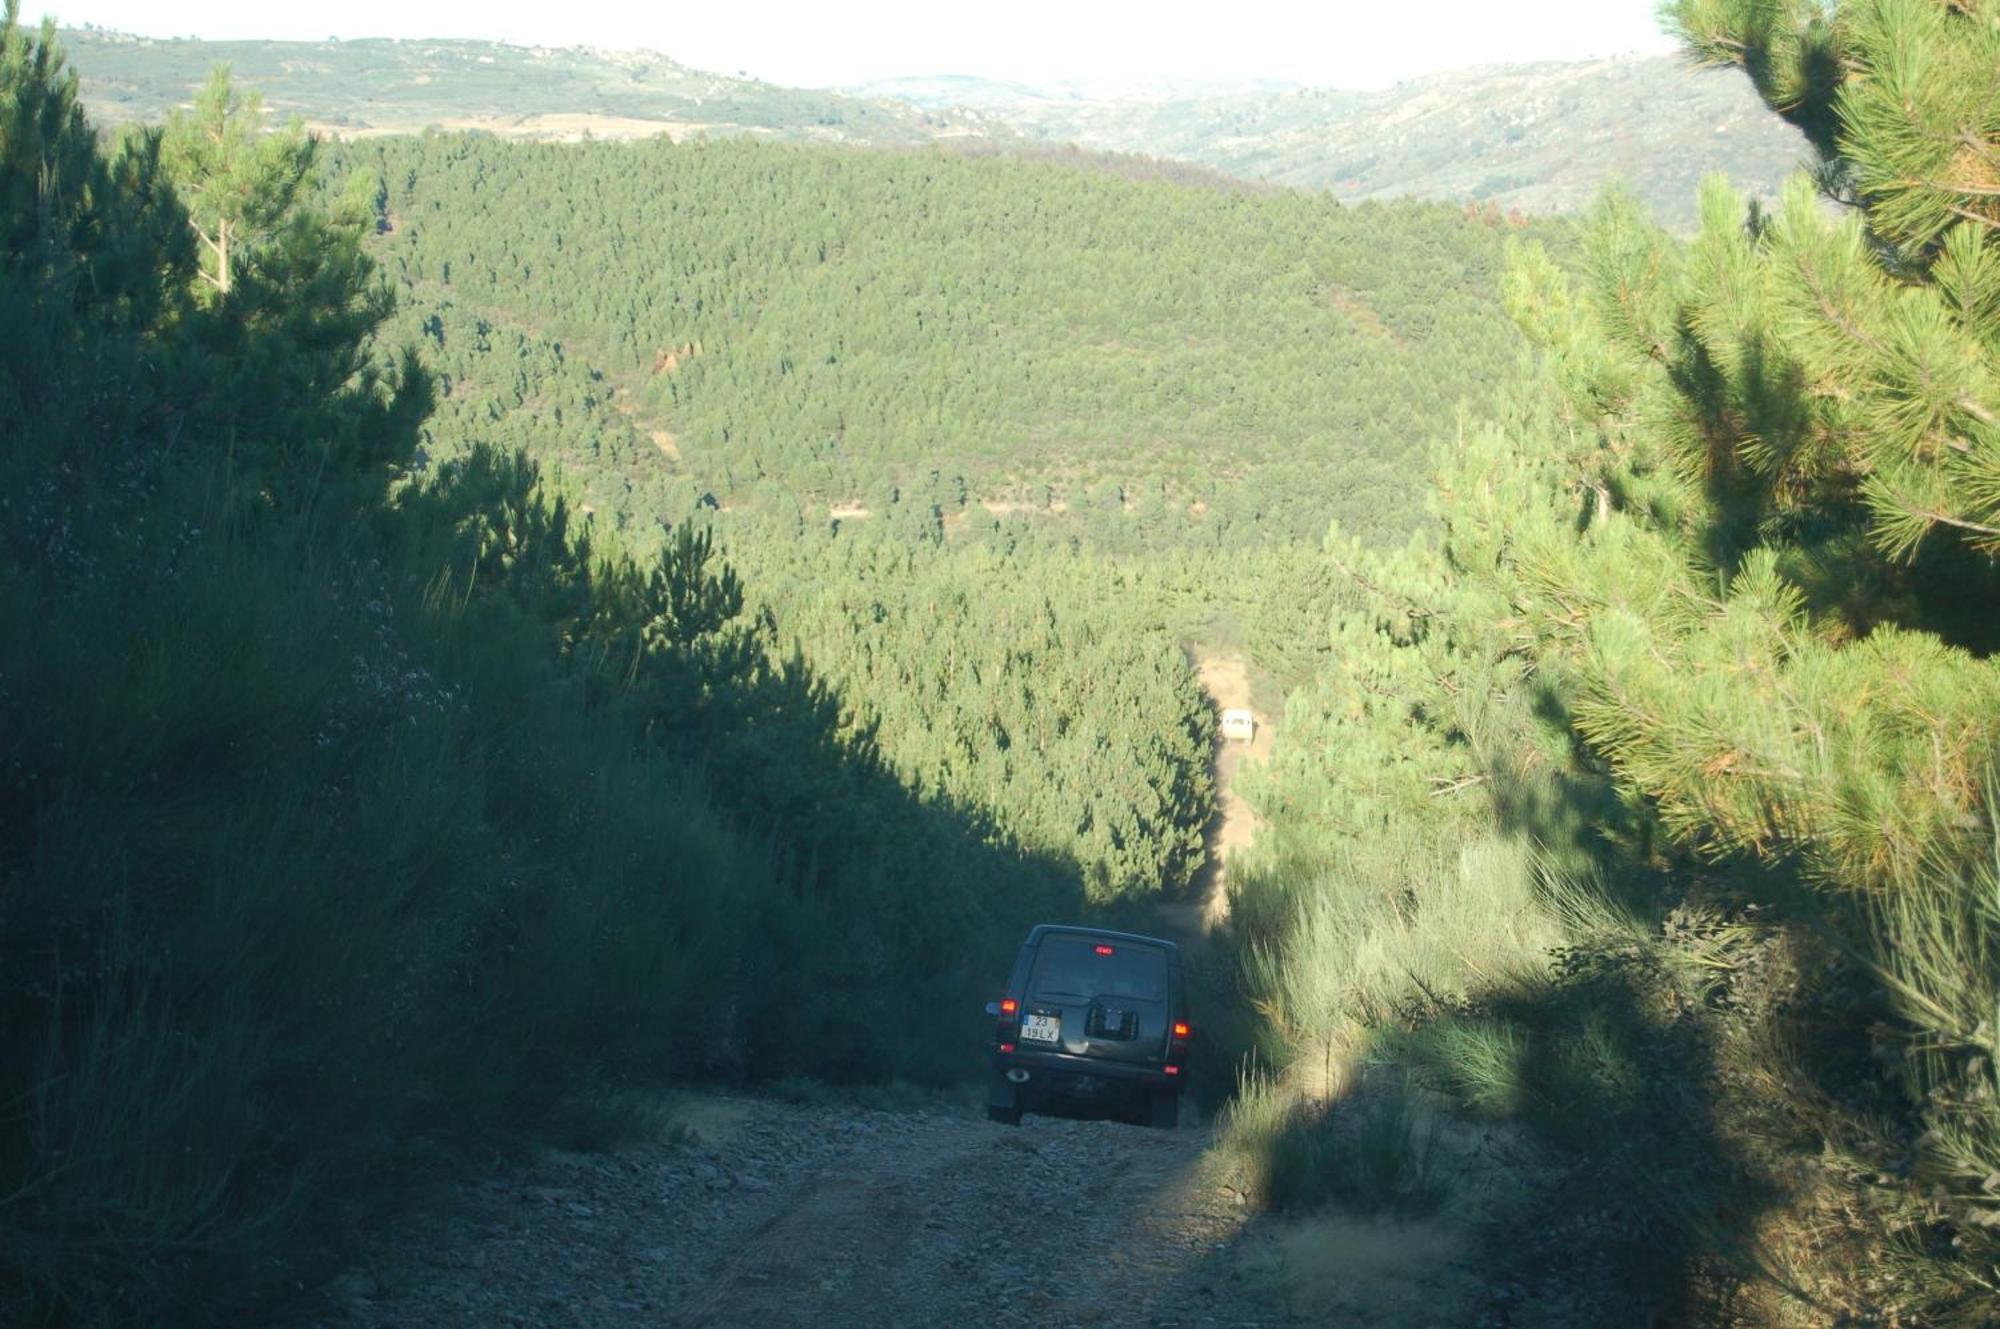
(1540, 137)
(840, 327)
(374, 86)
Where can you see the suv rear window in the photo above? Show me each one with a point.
(1072, 967)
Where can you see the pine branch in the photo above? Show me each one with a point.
(1959, 523)
(1976, 191)
(1809, 273)
(1409, 606)
(1968, 214)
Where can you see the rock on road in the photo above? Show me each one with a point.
(783, 1215)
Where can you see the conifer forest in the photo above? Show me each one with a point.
(499, 630)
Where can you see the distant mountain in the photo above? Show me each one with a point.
(1540, 137)
(944, 92)
(970, 91)
(374, 86)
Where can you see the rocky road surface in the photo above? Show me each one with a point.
(777, 1214)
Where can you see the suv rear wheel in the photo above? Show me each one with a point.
(1003, 1103)
(1165, 1110)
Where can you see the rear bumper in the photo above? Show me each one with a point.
(1066, 1072)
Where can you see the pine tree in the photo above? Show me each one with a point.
(1892, 320)
(93, 248)
(239, 182)
(1763, 583)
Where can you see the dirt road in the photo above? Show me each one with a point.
(784, 1215)
(1226, 680)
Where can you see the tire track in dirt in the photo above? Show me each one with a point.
(1057, 1222)
(795, 1216)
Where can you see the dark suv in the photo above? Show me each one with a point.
(1091, 1016)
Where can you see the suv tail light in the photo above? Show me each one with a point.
(1181, 1030)
(1009, 1027)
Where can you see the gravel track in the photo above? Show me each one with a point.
(788, 1215)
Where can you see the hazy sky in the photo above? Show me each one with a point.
(1347, 43)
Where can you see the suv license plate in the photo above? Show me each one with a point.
(1042, 1028)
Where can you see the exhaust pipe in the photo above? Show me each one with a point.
(1017, 1076)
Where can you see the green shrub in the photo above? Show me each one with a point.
(1374, 1152)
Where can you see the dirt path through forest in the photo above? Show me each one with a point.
(1226, 680)
(784, 1215)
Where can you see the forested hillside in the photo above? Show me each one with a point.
(834, 327)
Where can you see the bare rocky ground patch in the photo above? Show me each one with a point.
(770, 1213)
